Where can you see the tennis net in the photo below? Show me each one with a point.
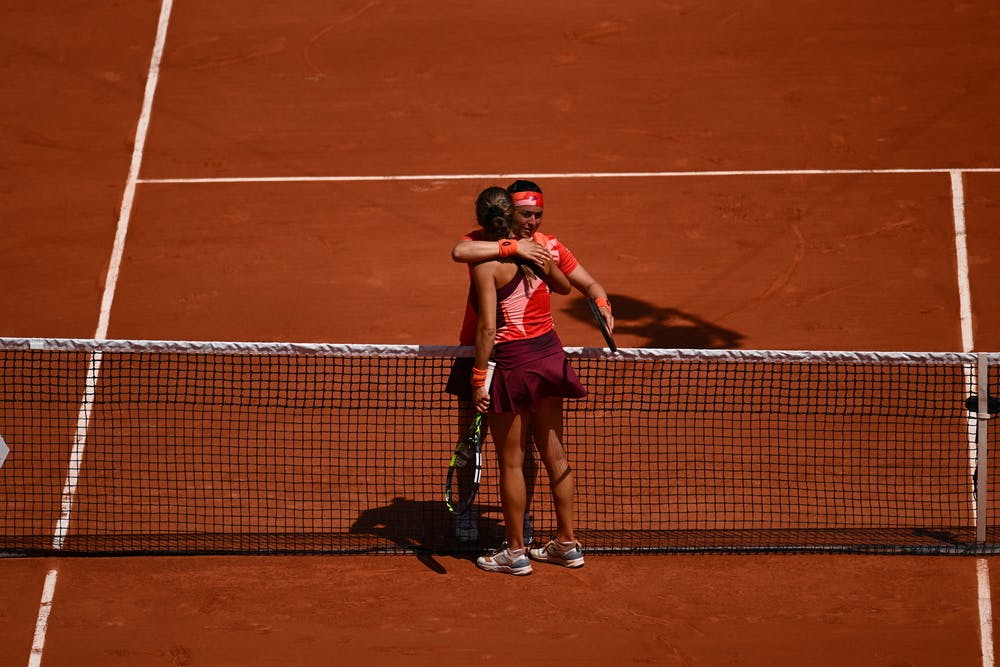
(129, 447)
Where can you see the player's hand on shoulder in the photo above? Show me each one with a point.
(533, 252)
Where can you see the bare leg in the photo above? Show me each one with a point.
(509, 433)
(547, 429)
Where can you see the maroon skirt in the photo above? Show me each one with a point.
(530, 370)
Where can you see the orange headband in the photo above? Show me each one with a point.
(527, 198)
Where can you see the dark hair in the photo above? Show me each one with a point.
(494, 209)
(523, 186)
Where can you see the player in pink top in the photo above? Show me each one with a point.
(530, 245)
(532, 378)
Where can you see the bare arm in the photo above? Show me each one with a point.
(555, 278)
(467, 251)
(486, 330)
(581, 279)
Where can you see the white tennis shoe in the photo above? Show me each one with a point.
(567, 554)
(506, 561)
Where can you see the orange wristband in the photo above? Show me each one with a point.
(507, 247)
(478, 377)
(602, 303)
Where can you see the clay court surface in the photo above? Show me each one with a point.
(759, 175)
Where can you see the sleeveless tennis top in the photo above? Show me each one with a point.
(524, 309)
(563, 258)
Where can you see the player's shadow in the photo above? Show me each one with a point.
(424, 528)
(659, 327)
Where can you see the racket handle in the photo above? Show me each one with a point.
(490, 367)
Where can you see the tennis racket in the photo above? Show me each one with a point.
(602, 325)
(465, 468)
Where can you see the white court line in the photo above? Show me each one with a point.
(968, 345)
(42, 624)
(962, 257)
(985, 612)
(596, 174)
(79, 445)
(965, 312)
(94, 365)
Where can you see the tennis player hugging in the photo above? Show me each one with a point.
(532, 377)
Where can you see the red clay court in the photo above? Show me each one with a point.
(800, 176)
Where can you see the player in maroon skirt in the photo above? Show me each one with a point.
(532, 377)
(530, 245)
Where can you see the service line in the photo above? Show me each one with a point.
(542, 176)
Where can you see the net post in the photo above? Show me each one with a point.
(982, 419)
